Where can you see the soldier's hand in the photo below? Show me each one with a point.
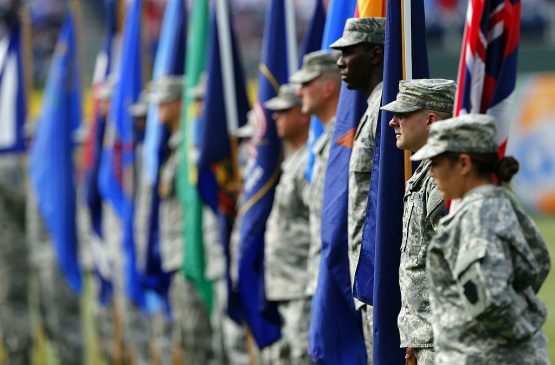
(410, 359)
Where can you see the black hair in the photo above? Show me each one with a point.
(487, 164)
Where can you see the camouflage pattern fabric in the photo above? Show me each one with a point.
(361, 30)
(15, 326)
(171, 213)
(316, 64)
(322, 152)
(288, 233)
(423, 208)
(470, 133)
(360, 173)
(485, 266)
(286, 98)
(191, 331)
(59, 307)
(431, 94)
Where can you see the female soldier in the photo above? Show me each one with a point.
(488, 260)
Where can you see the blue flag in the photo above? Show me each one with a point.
(13, 101)
(215, 163)
(51, 168)
(92, 153)
(312, 40)
(214, 144)
(336, 335)
(116, 176)
(170, 60)
(262, 174)
(377, 277)
(338, 13)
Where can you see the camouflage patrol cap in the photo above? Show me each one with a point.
(166, 89)
(287, 98)
(316, 64)
(140, 108)
(470, 133)
(432, 94)
(359, 30)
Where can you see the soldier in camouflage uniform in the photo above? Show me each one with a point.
(418, 105)
(59, 306)
(191, 327)
(487, 261)
(15, 326)
(361, 65)
(319, 92)
(287, 234)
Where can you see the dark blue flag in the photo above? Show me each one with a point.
(116, 176)
(13, 101)
(92, 153)
(262, 174)
(377, 277)
(51, 157)
(215, 164)
(312, 40)
(335, 329)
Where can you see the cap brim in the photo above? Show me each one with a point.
(160, 98)
(278, 103)
(398, 106)
(138, 110)
(343, 43)
(303, 76)
(428, 151)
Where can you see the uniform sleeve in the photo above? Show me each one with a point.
(484, 273)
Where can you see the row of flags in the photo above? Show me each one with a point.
(208, 160)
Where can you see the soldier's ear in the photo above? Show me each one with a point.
(465, 164)
(431, 117)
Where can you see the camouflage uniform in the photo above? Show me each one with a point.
(59, 307)
(191, 325)
(287, 242)
(322, 153)
(485, 265)
(15, 327)
(423, 208)
(357, 31)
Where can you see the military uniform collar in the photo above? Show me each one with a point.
(324, 138)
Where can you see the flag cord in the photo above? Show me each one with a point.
(407, 66)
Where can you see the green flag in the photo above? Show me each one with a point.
(194, 259)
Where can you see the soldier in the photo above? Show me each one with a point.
(361, 65)
(418, 105)
(319, 92)
(59, 306)
(137, 324)
(488, 260)
(191, 326)
(287, 234)
(15, 326)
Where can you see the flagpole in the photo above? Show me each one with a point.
(26, 48)
(291, 32)
(407, 67)
(224, 37)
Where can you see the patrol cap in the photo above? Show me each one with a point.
(166, 89)
(247, 130)
(359, 30)
(286, 98)
(469, 133)
(432, 94)
(140, 108)
(316, 64)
